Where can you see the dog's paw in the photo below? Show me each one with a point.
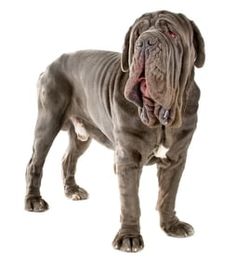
(130, 242)
(76, 192)
(179, 229)
(35, 204)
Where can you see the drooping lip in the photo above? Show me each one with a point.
(138, 92)
(164, 116)
(152, 108)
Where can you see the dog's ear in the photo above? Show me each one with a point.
(125, 52)
(199, 46)
(140, 25)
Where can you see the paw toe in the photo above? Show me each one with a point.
(76, 193)
(36, 204)
(180, 229)
(128, 243)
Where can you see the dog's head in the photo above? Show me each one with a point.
(160, 52)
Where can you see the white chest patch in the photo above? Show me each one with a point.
(160, 151)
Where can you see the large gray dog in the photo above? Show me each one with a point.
(141, 103)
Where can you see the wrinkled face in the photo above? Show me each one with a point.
(161, 61)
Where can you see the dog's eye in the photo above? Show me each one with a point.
(172, 34)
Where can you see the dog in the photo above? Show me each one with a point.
(141, 103)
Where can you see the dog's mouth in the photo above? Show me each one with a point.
(150, 111)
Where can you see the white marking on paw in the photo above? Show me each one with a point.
(80, 130)
(75, 197)
(160, 151)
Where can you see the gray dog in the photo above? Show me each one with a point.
(141, 103)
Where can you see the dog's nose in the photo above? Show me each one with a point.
(146, 42)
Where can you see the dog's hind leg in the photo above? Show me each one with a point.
(77, 146)
(53, 100)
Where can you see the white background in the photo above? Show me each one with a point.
(33, 34)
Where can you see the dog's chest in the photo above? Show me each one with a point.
(160, 151)
(157, 154)
(161, 148)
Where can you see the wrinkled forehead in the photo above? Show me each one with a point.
(177, 21)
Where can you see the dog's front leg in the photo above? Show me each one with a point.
(128, 170)
(169, 176)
